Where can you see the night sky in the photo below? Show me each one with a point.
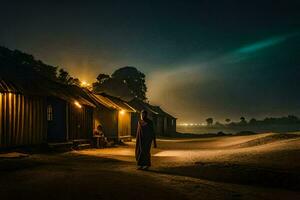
(206, 58)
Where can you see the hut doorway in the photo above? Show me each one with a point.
(80, 123)
(124, 124)
(56, 117)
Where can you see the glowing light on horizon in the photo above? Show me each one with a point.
(192, 124)
(84, 84)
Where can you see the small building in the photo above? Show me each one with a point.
(36, 112)
(22, 116)
(105, 115)
(35, 108)
(114, 115)
(164, 123)
(69, 114)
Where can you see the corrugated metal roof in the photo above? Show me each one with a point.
(99, 100)
(106, 102)
(116, 102)
(161, 111)
(140, 105)
(80, 95)
(6, 86)
(45, 87)
(23, 86)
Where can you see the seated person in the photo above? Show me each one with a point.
(98, 132)
(101, 140)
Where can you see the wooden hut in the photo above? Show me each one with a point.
(69, 114)
(104, 114)
(35, 108)
(22, 116)
(114, 115)
(44, 111)
(164, 123)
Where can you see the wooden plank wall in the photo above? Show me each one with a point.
(134, 123)
(108, 120)
(160, 125)
(170, 127)
(124, 124)
(22, 120)
(80, 122)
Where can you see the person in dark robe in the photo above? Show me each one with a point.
(144, 138)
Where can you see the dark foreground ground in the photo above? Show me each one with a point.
(264, 166)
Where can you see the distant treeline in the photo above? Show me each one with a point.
(124, 82)
(286, 120)
(20, 65)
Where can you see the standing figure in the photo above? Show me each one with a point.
(144, 137)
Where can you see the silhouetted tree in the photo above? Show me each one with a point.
(292, 119)
(63, 76)
(101, 78)
(253, 121)
(243, 120)
(75, 81)
(17, 63)
(134, 79)
(209, 121)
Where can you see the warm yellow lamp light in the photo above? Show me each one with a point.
(77, 104)
(122, 112)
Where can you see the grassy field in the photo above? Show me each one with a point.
(262, 166)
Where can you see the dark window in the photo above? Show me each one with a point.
(49, 113)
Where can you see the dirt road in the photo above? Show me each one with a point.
(264, 166)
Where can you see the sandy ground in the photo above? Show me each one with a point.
(264, 166)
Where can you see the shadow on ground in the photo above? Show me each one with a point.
(237, 174)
